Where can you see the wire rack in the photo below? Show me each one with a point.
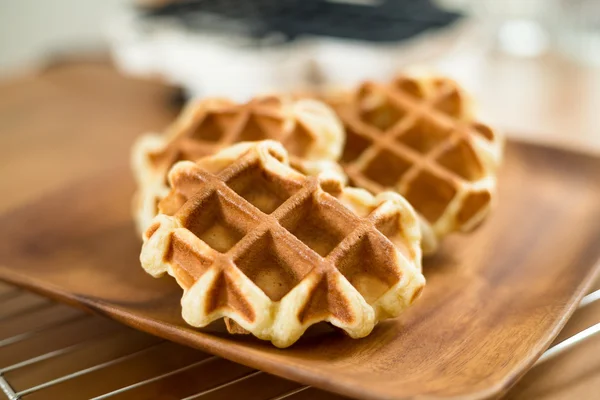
(49, 350)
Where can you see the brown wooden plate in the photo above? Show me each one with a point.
(494, 301)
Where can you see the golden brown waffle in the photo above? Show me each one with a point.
(417, 136)
(253, 240)
(309, 130)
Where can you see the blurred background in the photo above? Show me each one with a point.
(532, 65)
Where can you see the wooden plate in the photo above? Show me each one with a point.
(494, 300)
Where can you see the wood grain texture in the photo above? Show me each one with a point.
(574, 374)
(494, 299)
(72, 120)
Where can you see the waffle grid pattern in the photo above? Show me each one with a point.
(308, 129)
(278, 262)
(417, 137)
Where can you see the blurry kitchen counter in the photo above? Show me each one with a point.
(43, 118)
(550, 99)
(46, 119)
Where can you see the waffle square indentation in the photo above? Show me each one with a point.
(450, 103)
(272, 266)
(258, 128)
(386, 168)
(261, 188)
(430, 195)
(314, 223)
(423, 136)
(369, 267)
(208, 130)
(355, 145)
(462, 160)
(217, 222)
(299, 141)
(377, 110)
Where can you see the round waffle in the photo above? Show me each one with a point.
(417, 136)
(253, 240)
(309, 130)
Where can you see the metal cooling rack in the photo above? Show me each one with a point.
(48, 350)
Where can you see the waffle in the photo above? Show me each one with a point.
(417, 136)
(309, 130)
(251, 239)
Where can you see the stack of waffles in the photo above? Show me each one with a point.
(287, 211)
